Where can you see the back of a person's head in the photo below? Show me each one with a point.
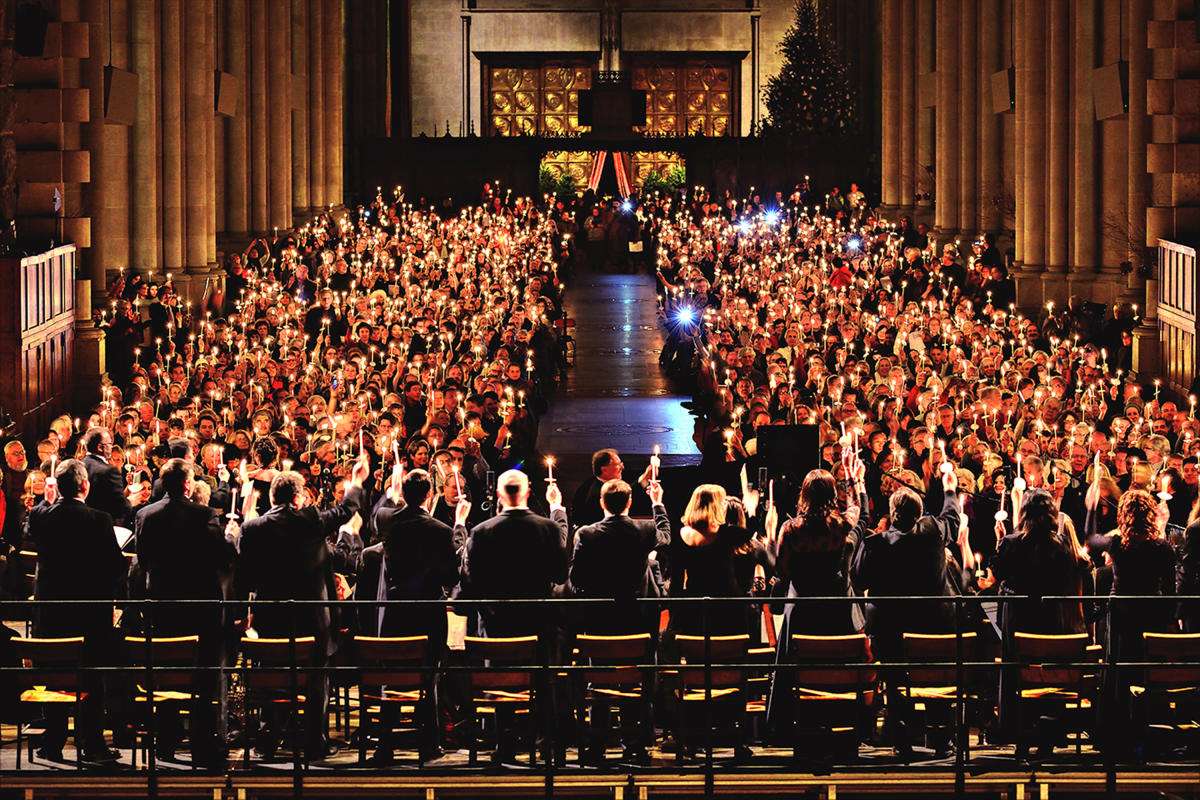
(705, 509)
(511, 486)
(266, 451)
(614, 496)
(179, 447)
(175, 475)
(416, 486)
(1039, 514)
(286, 487)
(818, 494)
(71, 475)
(904, 507)
(1137, 516)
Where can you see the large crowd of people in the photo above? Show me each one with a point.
(356, 417)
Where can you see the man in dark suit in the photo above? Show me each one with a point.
(107, 486)
(908, 559)
(610, 560)
(606, 466)
(78, 559)
(415, 559)
(515, 555)
(285, 555)
(185, 555)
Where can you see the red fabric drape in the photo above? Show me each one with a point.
(597, 170)
(624, 166)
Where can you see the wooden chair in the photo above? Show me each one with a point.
(1167, 703)
(395, 678)
(164, 675)
(625, 684)
(711, 692)
(934, 691)
(502, 686)
(52, 675)
(275, 673)
(830, 701)
(27, 561)
(1054, 675)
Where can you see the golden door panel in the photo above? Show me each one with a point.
(536, 100)
(687, 97)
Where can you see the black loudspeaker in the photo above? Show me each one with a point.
(584, 107)
(120, 96)
(1110, 90)
(31, 21)
(789, 452)
(1004, 90)
(614, 109)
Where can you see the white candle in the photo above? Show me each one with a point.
(654, 465)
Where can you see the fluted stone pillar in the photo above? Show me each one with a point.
(1017, 54)
(927, 16)
(1139, 128)
(105, 222)
(300, 182)
(991, 139)
(210, 129)
(279, 111)
(1058, 142)
(1084, 212)
(949, 109)
(908, 101)
(145, 250)
(1114, 152)
(891, 106)
(316, 103)
(237, 190)
(197, 112)
(333, 35)
(259, 122)
(1031, 95)
(171, 136)
(968, 169)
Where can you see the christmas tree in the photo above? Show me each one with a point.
(811, 95)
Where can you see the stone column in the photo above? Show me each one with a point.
(1031, 94)
(210, 128)
(991, 138)
(172, 132)
(1083, 184)
(257, 93)
(197, 113)
(949, 109)
(465, 58)
(237, 194)
(1058, 140)
(279, 101)
(908, 101)
(1139, 125)
(926, 22)
(300, 33)
(1017, 55)
(145, 252)
(316, 103)
(99, 192)
(890, 102)
(968, 165)
(1114, 154)
(333, 36)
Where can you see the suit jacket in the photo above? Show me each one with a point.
(285, 556)
(78, 559)
(184, 554)
(907, 563)
(514, 555)
(108, 489)
(610, 561)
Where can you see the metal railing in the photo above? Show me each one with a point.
(1095, 694)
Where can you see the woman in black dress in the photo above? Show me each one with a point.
(702, 563)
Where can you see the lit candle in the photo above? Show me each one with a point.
(549, 469)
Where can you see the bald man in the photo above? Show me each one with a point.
(516, 554)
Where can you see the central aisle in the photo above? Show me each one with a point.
(615, 395)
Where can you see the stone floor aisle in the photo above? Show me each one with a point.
(616, 394)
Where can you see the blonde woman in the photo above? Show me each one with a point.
(702, 562)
